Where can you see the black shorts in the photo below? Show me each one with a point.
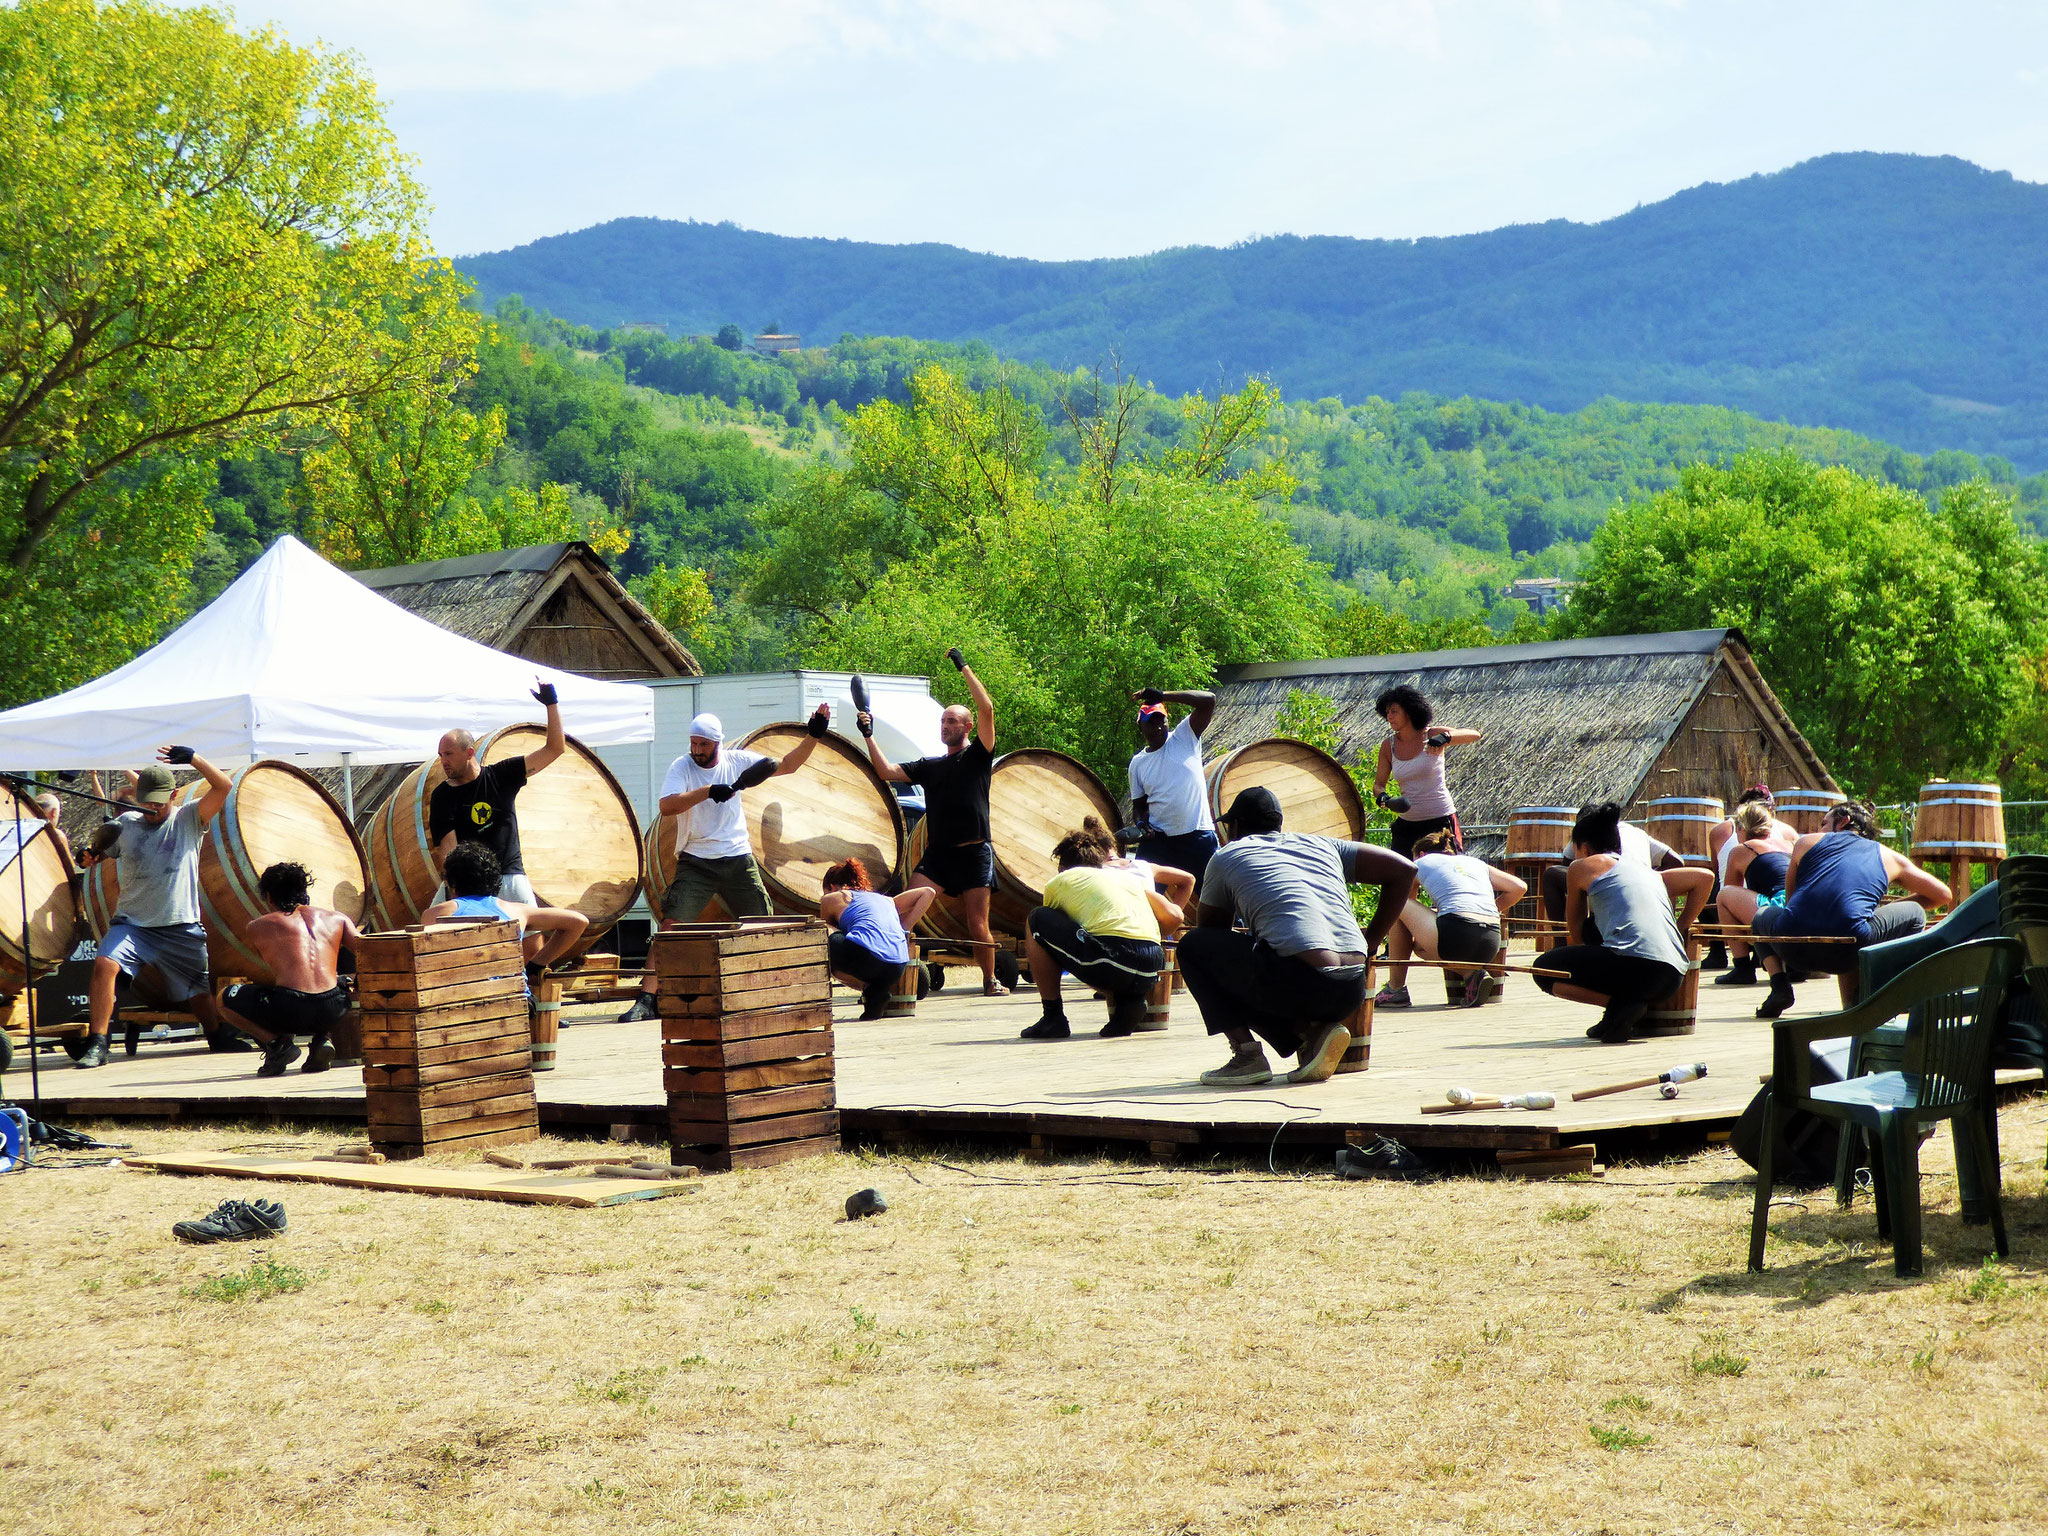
(956, 871)
(285, 1012)
(858, 961)
(1118, 966)
(1405, 834)
(1618, 977)
(1466, 940)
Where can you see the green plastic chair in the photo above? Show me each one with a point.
(1952, 1002)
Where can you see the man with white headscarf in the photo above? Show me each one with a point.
(714, 857)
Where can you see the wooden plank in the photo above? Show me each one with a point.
(747, 1026)
(806, 970)
(741, 1053)
(770, 1074)
(461, 1056)
(385, 1042)
(418, 1123)
(446, 1016)
(713, 1004)
(518, 1134)
(722, 1107)
(434, 997)
(769, 1156)
(747, 1133)
(576, 1191)
(497, 961)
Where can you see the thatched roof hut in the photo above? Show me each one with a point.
(557, 604)
(1624, 717)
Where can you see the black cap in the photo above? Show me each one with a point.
(1255, 810)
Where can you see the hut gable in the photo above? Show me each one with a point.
(557, 604)
(1625, 718)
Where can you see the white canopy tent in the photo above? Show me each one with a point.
(298, 660)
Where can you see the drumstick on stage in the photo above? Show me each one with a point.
(1682, 1073)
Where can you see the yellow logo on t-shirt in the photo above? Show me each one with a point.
(480, 812)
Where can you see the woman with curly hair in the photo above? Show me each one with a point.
(1413, 757)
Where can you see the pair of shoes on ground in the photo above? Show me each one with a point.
(1617, 1023)
(234, 1221)
(1127, 1016)
(1316, 1062)
(1385, 1158)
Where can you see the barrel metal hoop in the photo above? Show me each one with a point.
(1945, 788)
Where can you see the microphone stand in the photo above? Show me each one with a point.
(19, 789)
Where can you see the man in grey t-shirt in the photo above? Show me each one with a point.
(1299, 973)
(157, 923)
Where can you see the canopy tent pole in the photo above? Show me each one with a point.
(348, 787)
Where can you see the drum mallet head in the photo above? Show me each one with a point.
(1537, 1100)
(1684, 1072)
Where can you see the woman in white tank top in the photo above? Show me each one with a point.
(1413, 757)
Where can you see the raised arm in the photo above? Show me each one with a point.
(217, 783)
(885, 770)
(1395, 876)
(557, 742)
(1462, 736)
(984, 710)
(1201, 707)
(814, 732)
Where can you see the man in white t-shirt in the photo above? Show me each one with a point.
(1169, 790)
(714, 856)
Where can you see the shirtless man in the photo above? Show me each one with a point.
(302, 945)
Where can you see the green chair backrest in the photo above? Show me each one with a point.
(1953, 1018)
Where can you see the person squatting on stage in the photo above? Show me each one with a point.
(1299, 973)
(1169, 789)
(1637, 847)
(1639, 956)
(478, 803)
(1413, 756)
(1101, 926)
(1751, 865)
(714, 855)
(1835, 886)
(1469, 897)
(870, 940)
(157, 924)
(1176, 885)
(1722, 839)
(959, 860)
(545, 933)
(301, 944)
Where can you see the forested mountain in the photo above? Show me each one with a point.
(1898, 296)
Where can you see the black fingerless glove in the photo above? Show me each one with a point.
(757, 773)
(1151, 696)
(720, 793)
(953, 655)
(1398, 804)
(179, 755)
(546, 694)
(1438, 739)
(865, 724)
(818, 724)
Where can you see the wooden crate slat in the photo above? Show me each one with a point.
(790, 1020)
(743, 1053)
(768, 1156)
(717, 1107)
(773, 1074)
(748, 1133)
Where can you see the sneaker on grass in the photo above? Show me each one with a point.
(234, 1221)
(1385, 1158)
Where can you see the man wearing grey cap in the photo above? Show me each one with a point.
(1298, 972)
(157, 923)
(714, 855)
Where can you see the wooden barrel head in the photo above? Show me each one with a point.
(1036, 797)
(1959, 821)
(275, 813)
(1682, 822)
(1540, 832)
(578, 836)
(43, 931)
(1316, 795)
(835, 807)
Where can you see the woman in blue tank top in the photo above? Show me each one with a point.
(1835, 887)
(870, 942)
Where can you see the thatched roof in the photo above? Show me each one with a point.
(495, 599)
(1565, 722)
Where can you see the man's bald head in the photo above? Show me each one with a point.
(458, 756)
(955, 724)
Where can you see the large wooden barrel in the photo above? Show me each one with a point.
(658, 860)
(1806, 810)
(1540, 833)
(578, 836)
(42, 932)
(274, 812)
(833, 808)
(1036, 797)
(1682, 822)
(1959, 821)
(1316, 795)
(99, 896)
(941, 920)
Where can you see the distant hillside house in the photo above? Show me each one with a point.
(557, 604)
(1629, 718)
(778, 341)
(1544, 594)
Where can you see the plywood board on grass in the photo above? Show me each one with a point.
(578, 1191)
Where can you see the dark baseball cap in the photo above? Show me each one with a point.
(155, 785)
(1256, 809)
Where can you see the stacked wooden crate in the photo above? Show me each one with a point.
(746, 1041)
(446, 1048)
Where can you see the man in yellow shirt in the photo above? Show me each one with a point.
(1102, 928)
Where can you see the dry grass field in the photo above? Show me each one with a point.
(1079, 1347)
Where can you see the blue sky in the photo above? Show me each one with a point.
(1080, 127)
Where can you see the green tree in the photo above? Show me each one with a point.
(1893, 633)
(390, 468)
(206, 238)
(729, 337)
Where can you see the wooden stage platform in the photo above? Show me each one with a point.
(958, 1072)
